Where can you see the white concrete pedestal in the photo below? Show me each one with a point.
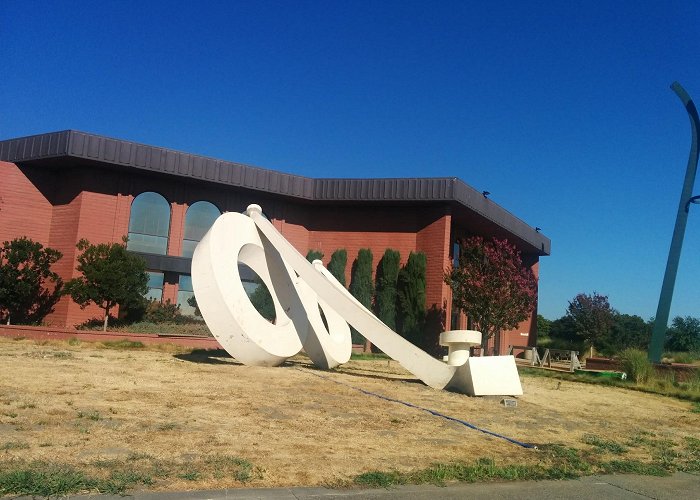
(458, 343)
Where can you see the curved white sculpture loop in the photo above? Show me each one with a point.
(299, 289)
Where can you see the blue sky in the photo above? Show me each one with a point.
(562, 110)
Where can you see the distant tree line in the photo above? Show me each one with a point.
(591, 324)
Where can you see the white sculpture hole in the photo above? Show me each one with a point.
(258, 293)
(323, 318)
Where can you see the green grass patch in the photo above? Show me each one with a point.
(46, 480)
(555, 462)
(633, 467)
(239, 468)
(93, 415)
(380, 479)
(362, 356)
(681, 357)
(123, 344)
(116, 476)
(663, 386)
(603, 445)
(14, 445)
(192, 475)
(185, 326)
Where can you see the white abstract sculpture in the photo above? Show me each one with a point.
(298, 289)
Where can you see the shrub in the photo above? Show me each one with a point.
(337, 265)
(386, 298)
(411, 298)
(682, 357)
(312, 255)
(361, 285)
(637, 365)
(110, 276)
(29, 289)
(162, 312)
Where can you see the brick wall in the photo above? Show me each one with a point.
(24, 209)
(434, 240)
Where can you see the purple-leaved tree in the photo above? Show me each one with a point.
(491, 285)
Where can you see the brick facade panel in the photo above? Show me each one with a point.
(24, 210)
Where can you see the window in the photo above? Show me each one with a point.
(155, 286)
(185, 291)
(200, 216)
(149, 224)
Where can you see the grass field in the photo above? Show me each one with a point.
(86, 416)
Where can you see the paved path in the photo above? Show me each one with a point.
(679, 486)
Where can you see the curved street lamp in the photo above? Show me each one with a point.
(661, 322)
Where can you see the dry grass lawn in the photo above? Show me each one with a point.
(197, 421)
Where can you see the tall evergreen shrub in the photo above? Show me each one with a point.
(411, 298)
(361, 285)
(312, 255)
(387, 276)
(337, 265)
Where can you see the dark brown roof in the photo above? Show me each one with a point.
(50, 148)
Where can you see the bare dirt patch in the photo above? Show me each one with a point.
(206, 421)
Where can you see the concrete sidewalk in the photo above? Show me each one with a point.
(679, 486)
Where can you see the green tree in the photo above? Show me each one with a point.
(492, 286)
(684, 334)
(337, 265)
(192, 302)
(111, 277)
(627, 332)
(562, 333)
(262, 301)
(361, 285)
(29, 289)
(410, 297)
(312, 255)
(386, 278)
(593, 318)
(543, 326)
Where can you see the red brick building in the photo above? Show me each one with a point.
(59, 187)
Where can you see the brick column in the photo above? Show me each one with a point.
(177, 228)
(434, 240)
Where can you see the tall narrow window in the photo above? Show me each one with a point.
(200, 216)
(155, 286)
(149, 224)
(185, 292)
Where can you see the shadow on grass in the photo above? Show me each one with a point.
(221, 357)
(343, 370)
(208, 356)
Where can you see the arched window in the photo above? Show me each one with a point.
(149, 224)
(199, 218)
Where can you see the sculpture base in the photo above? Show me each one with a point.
(488, 376)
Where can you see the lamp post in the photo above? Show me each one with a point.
(661, 322)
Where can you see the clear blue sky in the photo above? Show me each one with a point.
(562, 110)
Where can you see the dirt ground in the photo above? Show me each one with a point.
(82, 404)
